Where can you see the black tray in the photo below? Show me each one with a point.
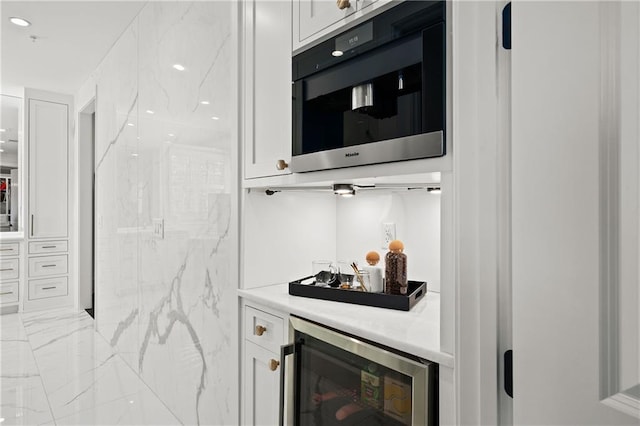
(416, 291)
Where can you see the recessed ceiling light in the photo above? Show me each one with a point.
(178, 67)
(204, 102)
(134, 155)
(2, 141)
(1, 150)
(130, 124)
(3, 130)
(19, 22)
(215, 118)
(149, 111)
(171, 135)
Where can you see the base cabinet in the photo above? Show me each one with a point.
(262, 380)
(10, 272)
(264, 332)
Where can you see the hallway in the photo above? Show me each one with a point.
(56, 369)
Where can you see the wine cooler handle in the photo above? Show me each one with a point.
(285, 350)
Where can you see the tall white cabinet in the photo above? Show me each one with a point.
(48, 125)
(48, 168)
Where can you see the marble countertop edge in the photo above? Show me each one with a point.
(416, 332)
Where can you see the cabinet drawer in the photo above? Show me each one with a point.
(9, 269)
(9, 249)
(49, 287)
(38, 247)
(264, 329)
(47, 265)
(9, 292)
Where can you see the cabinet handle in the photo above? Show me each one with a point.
(343, 4)
(48, 246)
(10, 292)
(273, 364)
(281, 165)
(48, 288)
(6, 269)
(260, 329)
(32, 225)
(48, 266)
(5, 249)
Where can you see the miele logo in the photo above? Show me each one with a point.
(352, 154)
(353, 40)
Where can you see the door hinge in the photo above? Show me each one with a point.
(508, 372)
(506, 26)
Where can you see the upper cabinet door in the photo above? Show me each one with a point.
(316, 15)
(576, 224)
(48, 169)
(267, 87)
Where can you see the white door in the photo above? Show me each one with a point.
(575, 194)
(48, 169)
(316, 15)
(267, 87)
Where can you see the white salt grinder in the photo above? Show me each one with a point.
(375, 272)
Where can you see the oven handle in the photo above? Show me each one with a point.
(285, 350)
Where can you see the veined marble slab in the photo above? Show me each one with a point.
(57, 368)
(164, 156)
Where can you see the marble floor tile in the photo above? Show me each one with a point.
(56, 369)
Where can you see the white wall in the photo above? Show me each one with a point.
(283, 233)
(416, 214)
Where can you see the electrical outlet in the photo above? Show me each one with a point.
(388, 233)
(158, 228)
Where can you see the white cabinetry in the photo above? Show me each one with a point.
(266, 87)
(264, 333)
(48, 123)
(314, 19)
(48, 168)
(9, 275)
(316, 15)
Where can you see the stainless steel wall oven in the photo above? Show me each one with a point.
(336, 379)
(373, 94)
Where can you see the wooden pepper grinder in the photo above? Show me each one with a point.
(396, 269)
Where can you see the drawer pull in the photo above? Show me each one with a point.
(273, 364)
(48, 288)
(6, 249)
(6, 269)
(260, 329)
(5, 293)
(49, 266)
(48, 247)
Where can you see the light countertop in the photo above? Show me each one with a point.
(11, 236)
(415, 332)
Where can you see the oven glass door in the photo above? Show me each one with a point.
(339, 380)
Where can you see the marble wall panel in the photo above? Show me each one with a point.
(165, 239)
(116, 198)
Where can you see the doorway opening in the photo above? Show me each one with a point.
(86, 208)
